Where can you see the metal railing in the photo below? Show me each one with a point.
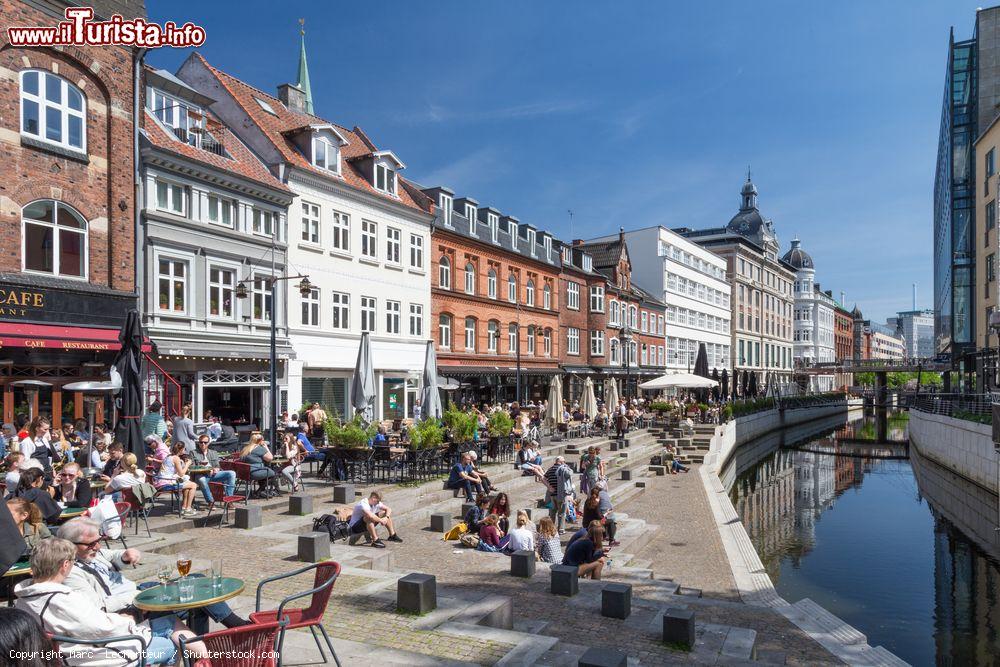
(961, 406)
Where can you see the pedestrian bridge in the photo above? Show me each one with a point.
(861, 449)
(929, 365)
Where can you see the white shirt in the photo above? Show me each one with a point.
(126, 480)
(11, 480)
(521, 539)
(361, 507)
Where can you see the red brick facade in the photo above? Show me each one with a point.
(843, 334)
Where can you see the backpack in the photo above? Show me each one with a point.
(331, 523)
(469, 540)
(656, 460)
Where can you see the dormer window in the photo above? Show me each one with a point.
(494, 223)
(470, 213)
(547, 243)
(531, 241)
(567, 255)
(385, 179)
(445, 202)
(588, 263)
(186, 121)
(513, 235)
(325, 155)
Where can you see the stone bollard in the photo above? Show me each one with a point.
(615, 445)
(616, 600)
(314, 547)
(678, 627)
(626, 475)
(440, 521)
(300, 504)
(659, 470)
(250, 516)
(522, 564)
(603, 657)
(416, 593)
(565, 580)
(466, 507)
(344, 494)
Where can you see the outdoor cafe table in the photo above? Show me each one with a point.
(14, 573)
(162, 598)
(72, 513)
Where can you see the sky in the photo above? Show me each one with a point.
(631, 114)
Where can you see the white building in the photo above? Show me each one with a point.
(356, 228)
(917, 330)
(691, 281)
(885, 343)
(813, 336)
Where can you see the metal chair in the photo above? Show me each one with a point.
(139, 509)
(124, 509)
(218, 491)
(125, 653)
(253, 645)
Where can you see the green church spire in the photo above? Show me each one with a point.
(303, 81)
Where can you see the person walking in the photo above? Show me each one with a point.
(184, 429)
(559, 479)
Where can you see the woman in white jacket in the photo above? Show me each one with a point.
(66, 612)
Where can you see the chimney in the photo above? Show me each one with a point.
(577, 241)
(293, 97)
(621, 234)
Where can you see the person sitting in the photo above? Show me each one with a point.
(156, 450)
(463, 477)
(29, 522)
(291, 473)
(30, 487)
(172, 476)
(368, 514)
(598, 508)
(111, 467)
(530, 461)
(380, 439)
(205, 457)
(21, 633)
(12, 464)
(214, 429)
(484, 477)
(72, 490)
(474, 517)
(311, 453)
(549, 548)
(130, 475)
(64, 610)
(586, 553)
(97, 573)
(489, 534)
(256, 453)
(521, 538)
(501, 507)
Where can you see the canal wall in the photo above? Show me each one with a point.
(752, 581)
(961, 446)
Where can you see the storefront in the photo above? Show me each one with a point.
(497, 384)
(396, 392)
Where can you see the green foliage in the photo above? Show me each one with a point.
(660, 406)
(500, 424)
(350, 434)
(426, 434)
(972, 417)
(727, 412)
(462, 425)
(751, 405)
(864, 379)
(703, 407)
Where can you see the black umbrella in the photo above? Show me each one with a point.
(745, 384)
(701, 369)
(12, 544)
(753, 385)
(724, 383)
(715, 389)
(129, 366)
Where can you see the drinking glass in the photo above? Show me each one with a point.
(185, 589)
(216, 573)
(183, 565)
(163, 574)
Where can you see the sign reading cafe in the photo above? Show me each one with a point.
(83, 305)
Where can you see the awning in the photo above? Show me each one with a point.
(173, 348)
(502, 371)
(61, 338)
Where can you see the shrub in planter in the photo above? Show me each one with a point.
(660, 406)
(426, 434)
(351, 434)
(462, 425)
(500, 424)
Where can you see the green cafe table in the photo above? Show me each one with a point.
(162, 598)
(19, 570)
(71, 513)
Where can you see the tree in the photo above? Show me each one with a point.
(864, 379)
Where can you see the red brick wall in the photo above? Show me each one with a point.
(843, 335)
(101, 190)
(581, 319)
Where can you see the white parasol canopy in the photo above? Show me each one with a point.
(611, 394)
(553, 411)
(681, 380)
(589, 403)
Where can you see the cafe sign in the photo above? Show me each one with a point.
(85, 306)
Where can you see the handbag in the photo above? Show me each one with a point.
(456, 531)
(470, 540)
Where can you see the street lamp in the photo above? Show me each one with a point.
(305, 288)
(625, 341)
(995, 326)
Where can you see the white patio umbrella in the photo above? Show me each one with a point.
(363, 382)
(611, 394)
(589, 403)
(430, 397)
(681, 380)
(553, 411)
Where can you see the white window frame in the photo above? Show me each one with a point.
(494, 223)
(311, 223)
(260, 292)
(310, 310)
(369, 314)
(470, 334)
(529, 293)
(341, 237)
(492, 336)
(530, 340)
(513, 334)
(573, 341)
(597, 343)
(644, 322)
(416, 252)
(597, 298)
(445, 202)
(491, 283)
(393, 312)
(330, 150)
(573, 296)
(222, 205)
(416, 320)
(62, 107)
(209, 285)
(444, 272)
(547, 297)
(263, 222)
(470, 278)
(172, 190)
(341, 311)
(511, 288)
(385, 179)
(472, 215)
(56, 240)
(369, 239)
(547, 342)
(172, 279)
(393, 245)
(444, 325)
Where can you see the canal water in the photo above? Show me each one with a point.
(892, 543)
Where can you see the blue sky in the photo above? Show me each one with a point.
(639, 113)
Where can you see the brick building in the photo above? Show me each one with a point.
(843, 341)
(494, 292)
(66, 207)
(584, 323)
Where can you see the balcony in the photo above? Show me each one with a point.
(200, 139)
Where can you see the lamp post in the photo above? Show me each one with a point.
(305, 288)
(625, 340)
(995, 326)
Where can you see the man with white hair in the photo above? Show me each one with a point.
(559, 479)
(484, 477)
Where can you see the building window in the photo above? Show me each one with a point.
(573, 341)
(470, 334)
(573, 296)
(613, 349)
(444, 273)
(416, 320)
(494, 224)
(54, 239)
(491, 284)
(659, 326)
(511, 288)
(171, 197)
(264, 222)
(492, 336)
(547, 342)
(470, 278)
(341, 231)
(597, 343)
(53, 110)
(261, 299)
(547, 297)
(385, 179)
(310, 222)
(416, 251)
(392, 245)
(644, 326)
(529, 293)
(633, 314)
(220, 211)
(310, 308)
(530, 346)
(444, 332)
(991, 165)
(221, 283)
(614, 313)
(368, 314)
(326, 155)
(991, 214)
(512, 338)
(597, 298)
(341, 311)
(369, 232)
(172, 285)
(659, 350)
(991, 267)
(645, 357)
(445, 202)
(392, 311)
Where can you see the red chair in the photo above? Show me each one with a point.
(175, 495)
(243, 478)
(310, 617)
(253, 645)
(218, 490)
(124, 509)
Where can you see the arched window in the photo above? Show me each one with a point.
(53, 110)
(470, 278)
(529, 293)
(512, 288)
(54, 239)
(444, 273)
(492, 336)
(512, 338)
(491, 284)
(613, 346)
(530, 347)
(547, 297)
(444, 332)
(470, 334)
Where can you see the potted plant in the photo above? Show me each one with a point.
(426, 434)
(500, 424)
(462, 425)
(350, 435)
(660, 407)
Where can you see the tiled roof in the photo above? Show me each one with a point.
(460, 226)
(276, 125)
(604, 253)
(241, 161)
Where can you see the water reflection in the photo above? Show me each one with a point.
(841, 519)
